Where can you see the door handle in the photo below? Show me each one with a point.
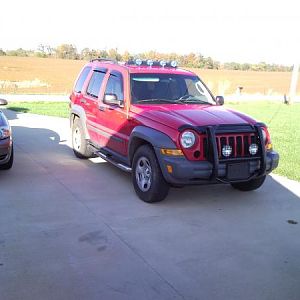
(101, 108)
(82, 100)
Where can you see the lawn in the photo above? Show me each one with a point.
(284, 126)
(57, 109)
(282, 120)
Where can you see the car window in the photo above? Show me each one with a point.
(115, 85)
(81, 79)
(95, 84)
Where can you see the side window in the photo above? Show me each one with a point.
(115, 85)
(81, 79)
(95, 84)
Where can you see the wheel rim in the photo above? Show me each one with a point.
(76, 139)
(143, 174)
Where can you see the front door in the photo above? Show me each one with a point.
(114, 117)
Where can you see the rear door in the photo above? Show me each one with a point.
(94, 89)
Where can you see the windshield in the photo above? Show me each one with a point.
(168, 88)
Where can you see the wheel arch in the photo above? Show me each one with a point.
(78, 112)
(142, 135)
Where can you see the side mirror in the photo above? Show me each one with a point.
(112, 99)
(3, 102)
(220, 100)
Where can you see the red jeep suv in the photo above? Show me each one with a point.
(163, 125)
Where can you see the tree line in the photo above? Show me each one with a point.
(192, 60)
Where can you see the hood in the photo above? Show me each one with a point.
(176, 115)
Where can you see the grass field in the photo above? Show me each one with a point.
(32, 75)
(283, 122)
(56, 109)
(284, 126)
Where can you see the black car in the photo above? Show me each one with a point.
(6, 144)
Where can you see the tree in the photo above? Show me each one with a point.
(67, 51)
(2, 53)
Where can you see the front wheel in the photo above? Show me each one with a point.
(148, 181)
(250, 185)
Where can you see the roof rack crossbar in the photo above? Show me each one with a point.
(104, 59)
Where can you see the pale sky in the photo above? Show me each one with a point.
(229, 30)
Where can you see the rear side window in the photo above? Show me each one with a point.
(81, 79)
(115, 85)
(95, 84)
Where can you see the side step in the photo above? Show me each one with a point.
(112, 161)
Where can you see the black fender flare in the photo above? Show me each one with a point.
(151, 136)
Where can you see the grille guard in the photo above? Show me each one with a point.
(211, 131)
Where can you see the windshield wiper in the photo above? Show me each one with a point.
(156, 100)
(191, 100)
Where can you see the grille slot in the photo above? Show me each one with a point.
(238, 142)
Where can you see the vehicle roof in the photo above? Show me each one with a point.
(141, 69)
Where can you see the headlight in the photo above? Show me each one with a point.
(187, 139)
(4, 133)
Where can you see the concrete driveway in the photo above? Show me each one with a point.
(74, 229)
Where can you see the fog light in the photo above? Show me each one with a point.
(226, 150)
(253, 148)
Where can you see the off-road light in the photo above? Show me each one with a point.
(226, 150)
(253, 148)
(150, 62)
(187, 139)
(163, 63)
(173, 63)
(138, 61)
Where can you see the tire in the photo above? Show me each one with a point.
(250, 185)
(147, 178)
(9, 164)
(79, 143)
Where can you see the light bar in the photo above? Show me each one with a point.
(152, 63)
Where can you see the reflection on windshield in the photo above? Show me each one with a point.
(168, 88)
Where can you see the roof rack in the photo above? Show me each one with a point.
(104, 60)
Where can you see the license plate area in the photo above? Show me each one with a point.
(237, 171)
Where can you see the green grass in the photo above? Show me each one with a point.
(284, 126)
(282, 120)
(57, 109)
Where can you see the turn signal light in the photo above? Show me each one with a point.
(171, 152)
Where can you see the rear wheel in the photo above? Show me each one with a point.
(9, 164)
(148, 181)
(79, 143)
(250, 185)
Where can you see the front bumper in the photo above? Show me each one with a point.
(186, 172)
(5, 150)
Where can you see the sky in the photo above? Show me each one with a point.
(229, 30)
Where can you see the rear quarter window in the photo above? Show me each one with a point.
(80, 82)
